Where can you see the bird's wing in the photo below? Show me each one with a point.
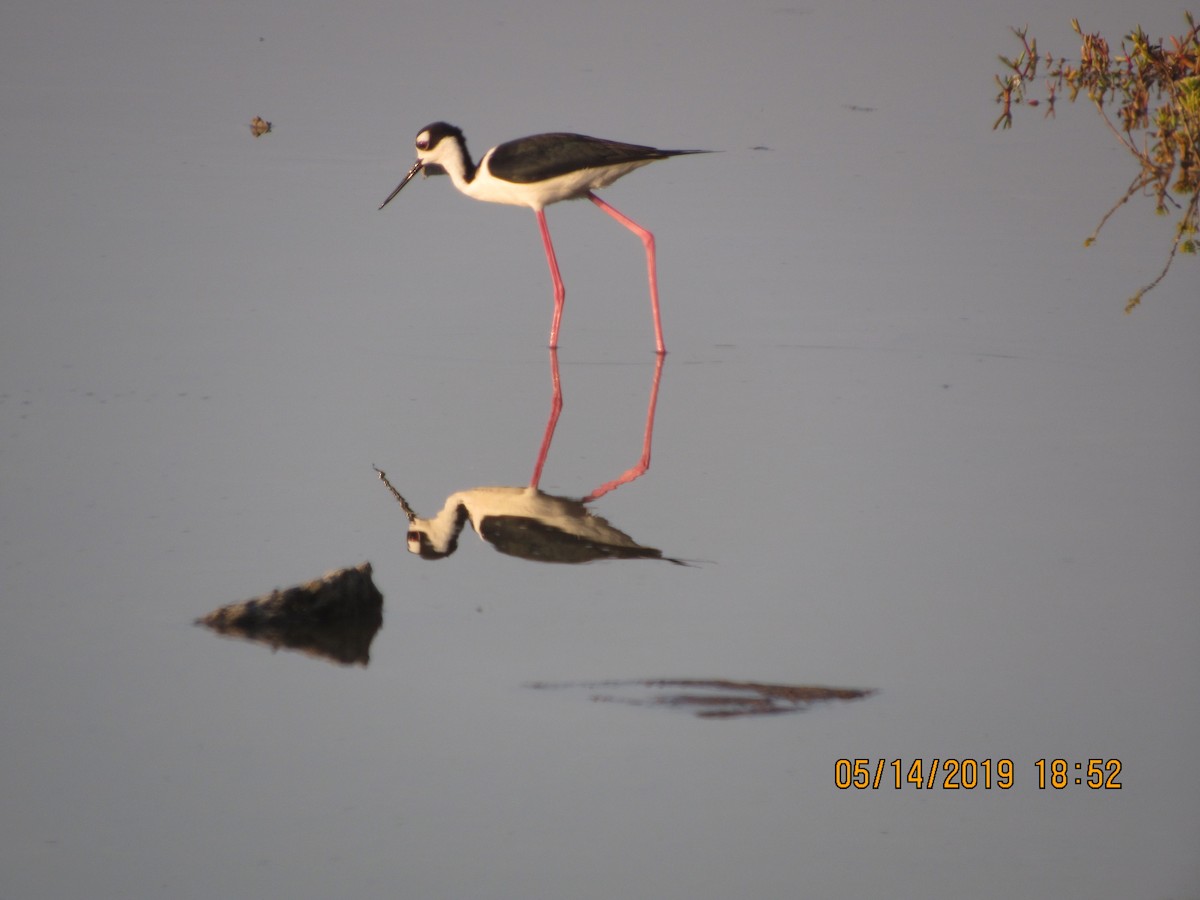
(544, 156)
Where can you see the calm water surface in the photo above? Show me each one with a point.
(904, 438)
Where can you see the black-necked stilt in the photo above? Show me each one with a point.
(526, 521)
(523, 522)
(536, 171)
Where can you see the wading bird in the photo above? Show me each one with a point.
(536, 171)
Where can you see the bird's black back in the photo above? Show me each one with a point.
(543, 156)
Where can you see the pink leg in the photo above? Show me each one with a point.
(560, 292)
(556, 404)
(636, 471)
(648, 243)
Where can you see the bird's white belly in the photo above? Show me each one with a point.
(487, 187)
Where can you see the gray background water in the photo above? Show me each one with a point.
(903, 420)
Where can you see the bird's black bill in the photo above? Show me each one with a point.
(407, 178)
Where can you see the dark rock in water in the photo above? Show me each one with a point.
(335, 617)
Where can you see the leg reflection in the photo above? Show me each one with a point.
(556, 404)
(638, 470)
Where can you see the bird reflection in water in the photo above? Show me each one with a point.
(526, 522)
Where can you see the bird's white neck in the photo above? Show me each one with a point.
(454, 160)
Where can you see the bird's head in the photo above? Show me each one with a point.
(436, 144)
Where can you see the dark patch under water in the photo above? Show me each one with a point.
(712, 698)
